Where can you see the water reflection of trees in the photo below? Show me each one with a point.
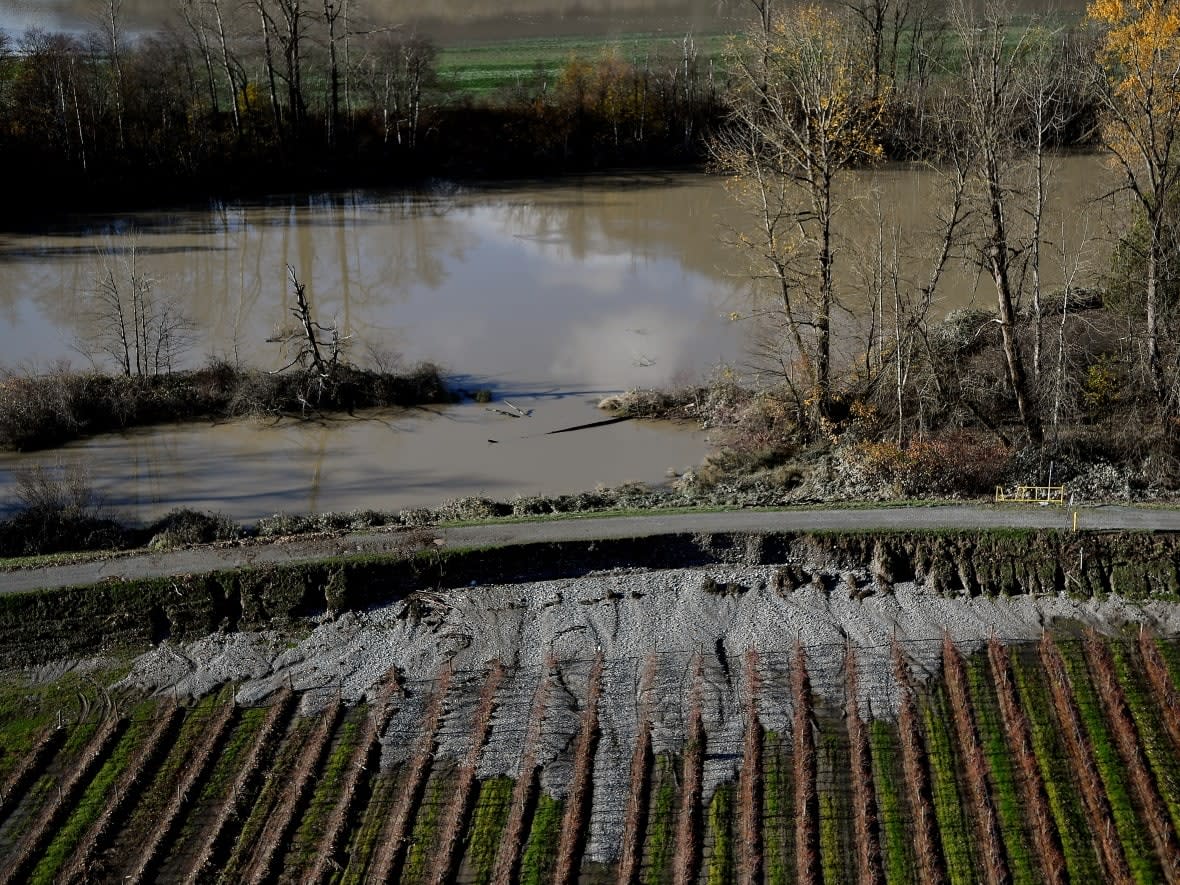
(367, 256)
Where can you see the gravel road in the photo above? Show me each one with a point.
(208, 559)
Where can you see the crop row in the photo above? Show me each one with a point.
(1048, 762)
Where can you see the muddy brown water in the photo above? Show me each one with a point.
(552, 295)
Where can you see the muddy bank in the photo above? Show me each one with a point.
(38, 627)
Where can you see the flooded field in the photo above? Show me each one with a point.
(552, 296)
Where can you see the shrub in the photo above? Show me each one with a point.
(183, 527)
(956, 463)
(60, 512)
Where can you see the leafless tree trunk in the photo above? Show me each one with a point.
(112, 30)
(268, 56)
(332, 12)
(229, 68)
(990, 114)
(188, 12)
(292, 41)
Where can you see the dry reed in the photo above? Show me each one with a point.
(686, 863)
(807, 854)
(635, 818)
(750, 860)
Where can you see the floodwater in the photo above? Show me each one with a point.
(552, 296)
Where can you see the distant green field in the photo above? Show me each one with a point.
(484, 68)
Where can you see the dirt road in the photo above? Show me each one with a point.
(207, 559)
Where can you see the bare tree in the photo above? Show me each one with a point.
(193, 14)
(332, 12)
(317, 349)
(395, 71)
(990, 114)
(130, 320)
(268, 57)
(293, 15)
(795, 126)
(111, 26)
(228, 66)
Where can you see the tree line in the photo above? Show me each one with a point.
(283, 93)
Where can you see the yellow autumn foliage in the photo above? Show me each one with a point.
(824, 70)
(1140, 53)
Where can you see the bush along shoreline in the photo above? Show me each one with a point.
(51, 409)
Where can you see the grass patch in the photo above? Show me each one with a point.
(94, 798)
(657, 853)
(483, 69)
(422, 842)
(777, 819)
(1002, 772)
(1132, 834)
(540, 854)
(27, 708)
(487, 825)
(721, 867)
(897, 847)
(327, 791)
(949, 804)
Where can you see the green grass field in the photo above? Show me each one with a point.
(484, 69)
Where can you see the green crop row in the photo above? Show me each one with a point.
(949, 803)
(1136, 846)
(657, 853)
(896, 843)
(777, 799)
(540, 852)
(94, 798)
(365, 836)
(327, 790)
(1156, 744)
(425, 831)
(721, 867)
(487, 825)
(1003, 770)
